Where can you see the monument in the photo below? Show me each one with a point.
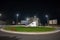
(33, 21)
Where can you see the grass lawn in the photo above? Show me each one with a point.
(29, 29)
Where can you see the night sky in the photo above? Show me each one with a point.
(9, 9)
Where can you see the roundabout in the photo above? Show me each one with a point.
(29, 30)
(47, 35)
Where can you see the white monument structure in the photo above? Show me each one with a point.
(34, 22)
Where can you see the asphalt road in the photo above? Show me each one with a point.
(7, 36)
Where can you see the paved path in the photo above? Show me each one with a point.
(55, 36)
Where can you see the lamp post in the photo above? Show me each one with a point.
(47, 19)
(27, 19)
(0, 15)
(0, 19)
(17, 15)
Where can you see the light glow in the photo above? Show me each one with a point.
(27, 18)
(17, 15)
(46, 16)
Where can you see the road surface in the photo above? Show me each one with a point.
(55, 36)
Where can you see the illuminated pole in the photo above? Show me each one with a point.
(0, 15)
(0, 19)
(27, 19)
(17, 15)
(47, 19)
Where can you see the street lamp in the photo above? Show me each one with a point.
(17, 15)
(0, 16)
(27, 19)
(47, 18)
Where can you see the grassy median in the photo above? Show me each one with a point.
(29, 29)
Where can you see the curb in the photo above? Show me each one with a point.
(30, 33)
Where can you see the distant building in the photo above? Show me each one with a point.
(54, 21)
(2, 22)
(24, 22)
(13, 22)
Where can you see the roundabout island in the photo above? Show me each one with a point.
(29, 30)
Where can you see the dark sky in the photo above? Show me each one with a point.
(29, 8)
